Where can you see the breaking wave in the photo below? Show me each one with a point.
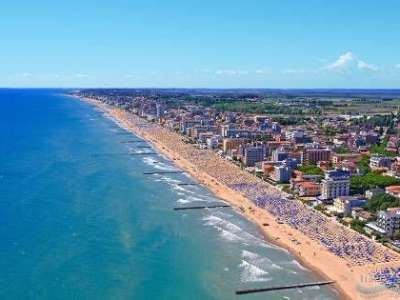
(252, 273)
(300, 266)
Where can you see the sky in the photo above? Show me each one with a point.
(200, 44)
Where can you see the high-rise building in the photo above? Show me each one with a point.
(335, 184)
(380, 162)
(389, 220)
(281, 173)
(160, 110)
(230, 144)
(280, 154)
(276, 128)
(312, 156)
(253, 154)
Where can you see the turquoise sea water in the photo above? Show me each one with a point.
(79, 220)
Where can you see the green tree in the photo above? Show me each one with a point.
(358, 225)
(359, 184)
(363, 165)
(382, 202)
(311, 170)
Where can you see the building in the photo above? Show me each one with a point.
(345, 204)
(276, 128)
(160, 110)
(324, 165)
(298, 136)
(291, 163)
(228, 131)
(230, 144)
(380, 162)
(335, 184)
(252, 154)
(393, 190)
(370, 138)
(338, 158)
(360, 214)
(261, 119)
(281, 173)
(268, 167)
(308, 189)
(312, 156)
(212, 142)
(203, 136)
(389, 220)
(195, 131)
(373, 192)
(393, 144)
(280, 154)
(395, 169)
(188, 124)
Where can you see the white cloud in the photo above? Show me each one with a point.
(342, 62)
(294, 71)
(24, 75)
(397, 66)
(362, 65)
(349, 62)
(204, 70)
(262, 71)
(81, 75)
(231, 72)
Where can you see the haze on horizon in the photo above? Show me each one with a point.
(224, 44)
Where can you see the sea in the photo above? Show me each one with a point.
(79, 219)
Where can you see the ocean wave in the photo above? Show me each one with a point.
(252, 273)
(229, 236)
(183, 201)
(189, 191)
(190, 199)
(300, 266)
(259, 260)
(218, 221)
(188, 175)
(170, 180)
(180, 188)
(156, 164)
(313, 287)
(229, 228)
(135, 150)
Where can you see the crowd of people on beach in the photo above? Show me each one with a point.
(345, 243)
(390, 277)
(356, 249)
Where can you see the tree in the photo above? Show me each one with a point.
(342, 150)
(363, 165)
(311, 170)
(359, 184)
(381, 149)
(358, 225)
(382, 202)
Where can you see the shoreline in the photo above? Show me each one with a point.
(309, 253)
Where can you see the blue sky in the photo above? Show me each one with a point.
(205, 43)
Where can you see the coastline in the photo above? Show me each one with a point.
(309, 252)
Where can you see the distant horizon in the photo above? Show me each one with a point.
(197, 88)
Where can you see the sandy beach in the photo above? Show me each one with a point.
(350, 272)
